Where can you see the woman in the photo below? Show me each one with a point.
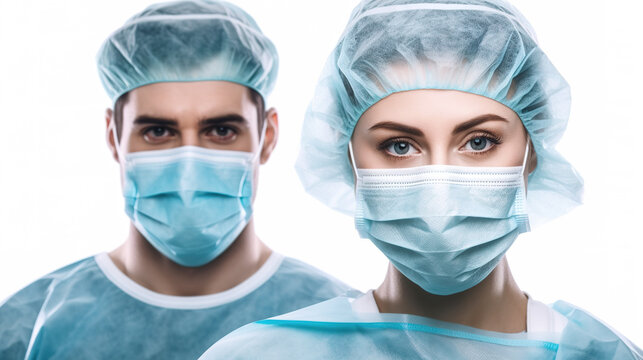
(434, 124)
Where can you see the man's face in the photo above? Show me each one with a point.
(211, 114)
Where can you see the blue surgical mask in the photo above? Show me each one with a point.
(189, 202)
(444, 227)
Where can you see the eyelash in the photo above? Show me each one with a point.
(495, 140)
(148, 129)
(386, 143)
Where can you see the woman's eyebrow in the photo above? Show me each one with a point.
(390, 125)
(477, 121)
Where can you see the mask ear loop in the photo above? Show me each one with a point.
(262, 138)
(117, 145)
(523, 218)
(524, 159)
(352, 157)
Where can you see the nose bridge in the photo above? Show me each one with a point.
(438, 154)
(190, 137)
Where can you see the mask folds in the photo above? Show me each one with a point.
(190, 203)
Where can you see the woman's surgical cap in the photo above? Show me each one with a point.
(476, 46)
(188, 41)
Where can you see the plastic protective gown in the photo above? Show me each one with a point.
(90, 310)
(332, 330)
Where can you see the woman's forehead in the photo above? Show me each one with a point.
(435, 107)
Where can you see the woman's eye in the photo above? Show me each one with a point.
(401, 148)
(479, 144)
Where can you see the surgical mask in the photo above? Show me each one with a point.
(189, 202)
(444, 227)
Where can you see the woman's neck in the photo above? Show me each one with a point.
(495, 304)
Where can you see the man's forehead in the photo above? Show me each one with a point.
(190, 100)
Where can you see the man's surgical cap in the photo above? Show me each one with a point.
(188, 41)
(483, 47)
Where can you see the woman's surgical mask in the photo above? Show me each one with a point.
(444, 227)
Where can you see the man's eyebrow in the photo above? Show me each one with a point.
(218, 120)
(152, 120)
(477, 121)
(390, 125)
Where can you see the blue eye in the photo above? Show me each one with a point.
(401, 148)
(478, 143)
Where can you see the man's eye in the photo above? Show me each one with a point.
(222, 134)
(222, 131)
(156, 133)
(401, 148)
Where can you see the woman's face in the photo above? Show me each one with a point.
(439, 127)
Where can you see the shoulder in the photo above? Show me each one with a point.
(38, 289)
(19, 312)
(585, 336)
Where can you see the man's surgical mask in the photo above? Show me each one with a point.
(189, 202)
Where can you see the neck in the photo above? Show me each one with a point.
(495, 304)
(141, 262)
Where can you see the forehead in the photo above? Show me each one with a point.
(428, 108)
(188, 100)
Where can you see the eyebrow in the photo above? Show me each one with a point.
(477, 121)
(153, 120)
(390, 125)
(234, 118)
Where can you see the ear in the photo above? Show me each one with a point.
(109, 133)
(271, 136)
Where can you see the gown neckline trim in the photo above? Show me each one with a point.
(137, 291)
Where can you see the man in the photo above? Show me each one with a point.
(188, 128)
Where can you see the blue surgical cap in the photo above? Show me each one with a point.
(481, 47)
(188, 41)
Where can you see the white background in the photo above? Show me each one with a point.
(60, 196)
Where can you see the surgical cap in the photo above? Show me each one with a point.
(475, 46)
(188, 41)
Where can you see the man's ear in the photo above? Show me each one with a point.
(271, 136)
(109, 133)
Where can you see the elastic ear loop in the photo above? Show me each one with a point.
(353, 163)
(262, 138)
(524, 159)
(116, 142)
(523, 217)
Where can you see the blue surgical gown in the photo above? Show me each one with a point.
(332, 330)
(91, 310)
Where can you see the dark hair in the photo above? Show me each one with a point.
(255, 97)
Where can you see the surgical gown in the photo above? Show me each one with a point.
(333, 330)
(91, 310)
